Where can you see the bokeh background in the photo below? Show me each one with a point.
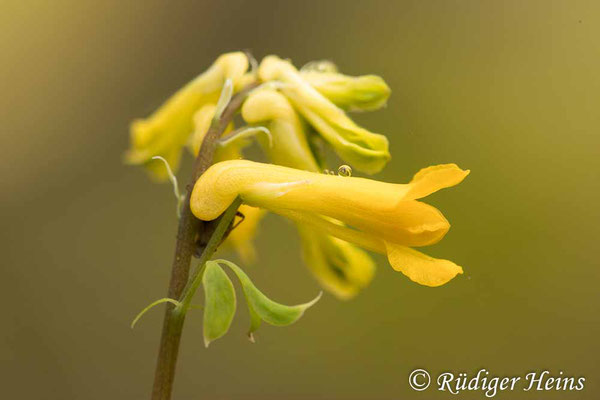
(508, 89)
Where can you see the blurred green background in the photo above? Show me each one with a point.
(507, 89)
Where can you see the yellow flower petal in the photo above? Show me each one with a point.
(431, 179)
(202, 121)
(340, 267)
(335, 228)
(374, 207)
(420, 267)
(289, 146)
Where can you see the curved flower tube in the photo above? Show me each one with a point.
(366, 151)
(166, 131)
(387, 217)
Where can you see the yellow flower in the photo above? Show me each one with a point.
(366, 151)
(387, 217)
(339, 266)
(167, 130)
(352, 93)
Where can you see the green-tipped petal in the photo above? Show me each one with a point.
(360, 93)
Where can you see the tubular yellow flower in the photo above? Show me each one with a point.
(166, 131)
(387, 216)
(366, 151)
(352, 93)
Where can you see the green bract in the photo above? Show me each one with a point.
(263, 308)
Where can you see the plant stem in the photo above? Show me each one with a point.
(190, 228)
(214, 241)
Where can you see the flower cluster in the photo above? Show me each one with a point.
(337, 217)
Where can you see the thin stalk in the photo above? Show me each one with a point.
(189, 230)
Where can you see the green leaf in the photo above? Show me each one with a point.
(219, 303)
(263, 308)
(255, 322)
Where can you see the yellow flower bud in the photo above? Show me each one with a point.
(167, 130)
(364, 150)
(361, 93)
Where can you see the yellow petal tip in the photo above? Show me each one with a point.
(421, 268)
